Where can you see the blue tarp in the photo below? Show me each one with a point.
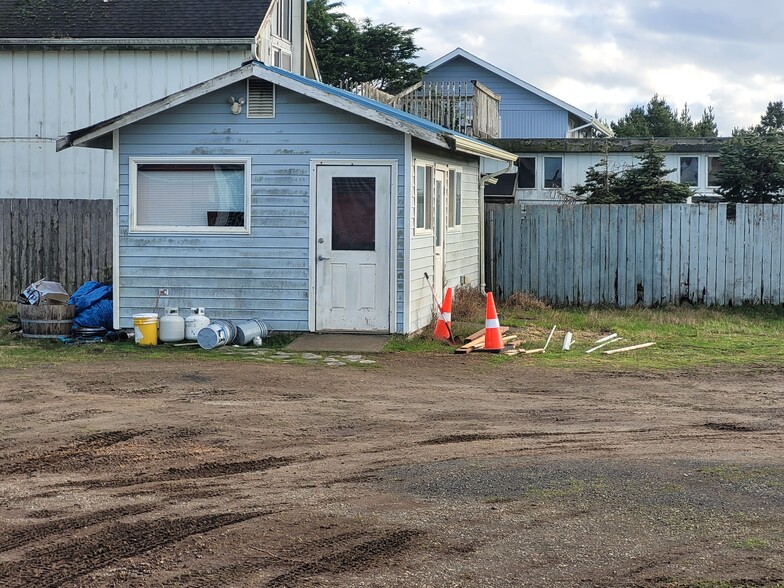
(93, 302)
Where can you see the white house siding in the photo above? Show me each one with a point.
(264, 274)
(576, 164)
(523, 113)
(461, 250)
(45, 94)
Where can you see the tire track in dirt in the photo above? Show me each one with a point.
(63, 562)
(207, 470)
(22, 536)
(67, 456)
(471, 437)
(296, 554)
(356, 558)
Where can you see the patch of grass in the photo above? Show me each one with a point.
(752, 543)
(685, 337)
(772, 477)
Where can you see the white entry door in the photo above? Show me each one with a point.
(352, 247)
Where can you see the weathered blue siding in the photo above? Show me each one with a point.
(523, 113)
(264, 274)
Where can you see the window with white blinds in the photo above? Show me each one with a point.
(202, 195)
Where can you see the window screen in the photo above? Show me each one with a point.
(714, 167)
(354, 214)
(553, 172)
(190, 195)
(689, 170)
(526, 172)
(424, 197)
(455, 198)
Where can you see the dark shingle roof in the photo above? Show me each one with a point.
(131, 19)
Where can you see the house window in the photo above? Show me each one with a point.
(190, 195)
(689, 167)
(714, 167)
(282, 21)
(526, 172)
(424, 197)
(281, 59)
(553, 172)
(455, 199)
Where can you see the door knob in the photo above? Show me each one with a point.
(322, 258)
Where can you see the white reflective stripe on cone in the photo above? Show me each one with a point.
(492, 324)
(446, 316)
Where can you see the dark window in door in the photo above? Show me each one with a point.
(354, 214)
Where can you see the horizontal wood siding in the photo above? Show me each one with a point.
(46, 94)
(264, 274)
(623, 255)
(66, 241)
(520, 108)
(461, 247)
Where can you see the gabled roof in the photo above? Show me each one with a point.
(99, 135)
(131, 19)
(460, 52)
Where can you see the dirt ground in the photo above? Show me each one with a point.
(420, 470)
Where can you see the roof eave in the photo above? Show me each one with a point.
(480, 149)
(90, 136)
(123, 43)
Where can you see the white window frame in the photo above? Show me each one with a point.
(429, 219)
(133, 168)
(517, 179)
(454, 215)
(708, 171)
(696, 158)
(544, 172)
(283, 21)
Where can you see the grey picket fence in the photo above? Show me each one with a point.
(624, 255)
(67, 241)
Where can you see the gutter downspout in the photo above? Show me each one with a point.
(485, 179)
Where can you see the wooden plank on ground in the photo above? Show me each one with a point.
(630, 348)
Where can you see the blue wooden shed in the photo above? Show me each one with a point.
(262, 193)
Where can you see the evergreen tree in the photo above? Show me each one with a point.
(644, 183)
(659, 119)
(350, 52)
(752, 168)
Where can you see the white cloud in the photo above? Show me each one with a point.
(611, 55)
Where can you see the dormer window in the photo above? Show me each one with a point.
(282, 21)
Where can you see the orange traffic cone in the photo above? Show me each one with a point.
(492, 326)
(444, 325)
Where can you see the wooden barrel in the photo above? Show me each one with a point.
(46, 321)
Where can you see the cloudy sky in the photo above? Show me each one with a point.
(610, 55)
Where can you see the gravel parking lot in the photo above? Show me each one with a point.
(417, 470)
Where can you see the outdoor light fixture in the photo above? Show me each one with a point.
(236, 104)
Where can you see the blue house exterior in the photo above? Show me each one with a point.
(526, 111)
(261, 193)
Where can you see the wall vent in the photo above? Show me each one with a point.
(261, 98)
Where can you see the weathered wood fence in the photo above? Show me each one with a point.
(622, 255)
(68, 241)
